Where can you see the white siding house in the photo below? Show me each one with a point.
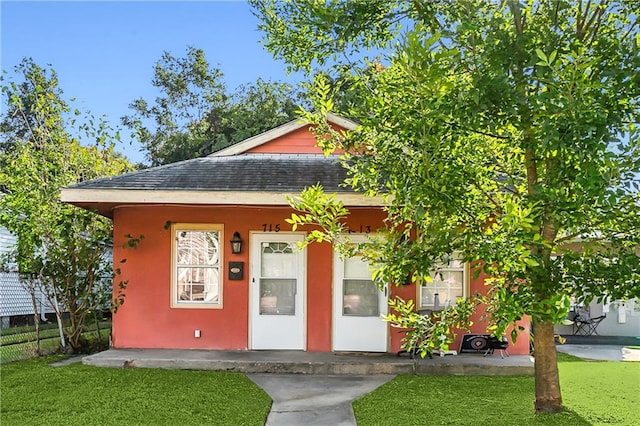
(612, 318)
(14, 297)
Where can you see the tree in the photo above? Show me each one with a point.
(195, 115)
(42, 86)
(261, 106)
(502, 131)
(64, 248)
(178, 124)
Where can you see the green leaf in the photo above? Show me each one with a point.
(542, 56)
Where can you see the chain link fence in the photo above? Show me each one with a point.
(19, 306)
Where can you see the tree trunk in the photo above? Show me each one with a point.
(36, 313)
(548, 396)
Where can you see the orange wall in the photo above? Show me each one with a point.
(319, 291)
(521, 346)
(147, 321)
(300, 141)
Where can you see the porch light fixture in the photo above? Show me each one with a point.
(236, 243)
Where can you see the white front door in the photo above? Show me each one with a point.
(358, 304)
(277, 292)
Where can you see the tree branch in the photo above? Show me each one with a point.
(514, 5)
(631, 28)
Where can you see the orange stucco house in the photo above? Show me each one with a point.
(189, 288)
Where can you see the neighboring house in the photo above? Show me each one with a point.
(187, 288)
(7, 241)
(604, 318)
(607, 318)
(15, 300)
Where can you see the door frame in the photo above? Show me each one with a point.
(253, 263)
(335, 310)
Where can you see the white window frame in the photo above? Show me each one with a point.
(196, 227)
(440, 268)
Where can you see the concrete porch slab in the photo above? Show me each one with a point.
(300, 362)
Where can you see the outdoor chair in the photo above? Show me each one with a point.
(587, 326)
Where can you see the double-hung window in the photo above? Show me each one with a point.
(196, 267)
(448, 284)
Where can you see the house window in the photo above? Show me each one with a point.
(197, 257)
(449, 283)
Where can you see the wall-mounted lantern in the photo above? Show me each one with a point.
(236, 243)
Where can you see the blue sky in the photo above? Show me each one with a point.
(104, 52)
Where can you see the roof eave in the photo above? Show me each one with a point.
(86, 197)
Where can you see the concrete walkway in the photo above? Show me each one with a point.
(315, 399)
(599, 352)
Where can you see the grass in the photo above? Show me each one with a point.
(594, 393)
(25, 329)
(34, 393)
(18, 343)
(564, 357)
(11, 336)
(26, 350)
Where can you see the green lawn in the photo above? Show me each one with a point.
(33, 393)
(594, 393)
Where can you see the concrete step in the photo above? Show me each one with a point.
(300, 362)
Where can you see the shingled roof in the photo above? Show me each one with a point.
(233, 176)
(241, 173)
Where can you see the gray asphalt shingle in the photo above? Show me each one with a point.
(247, 172)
